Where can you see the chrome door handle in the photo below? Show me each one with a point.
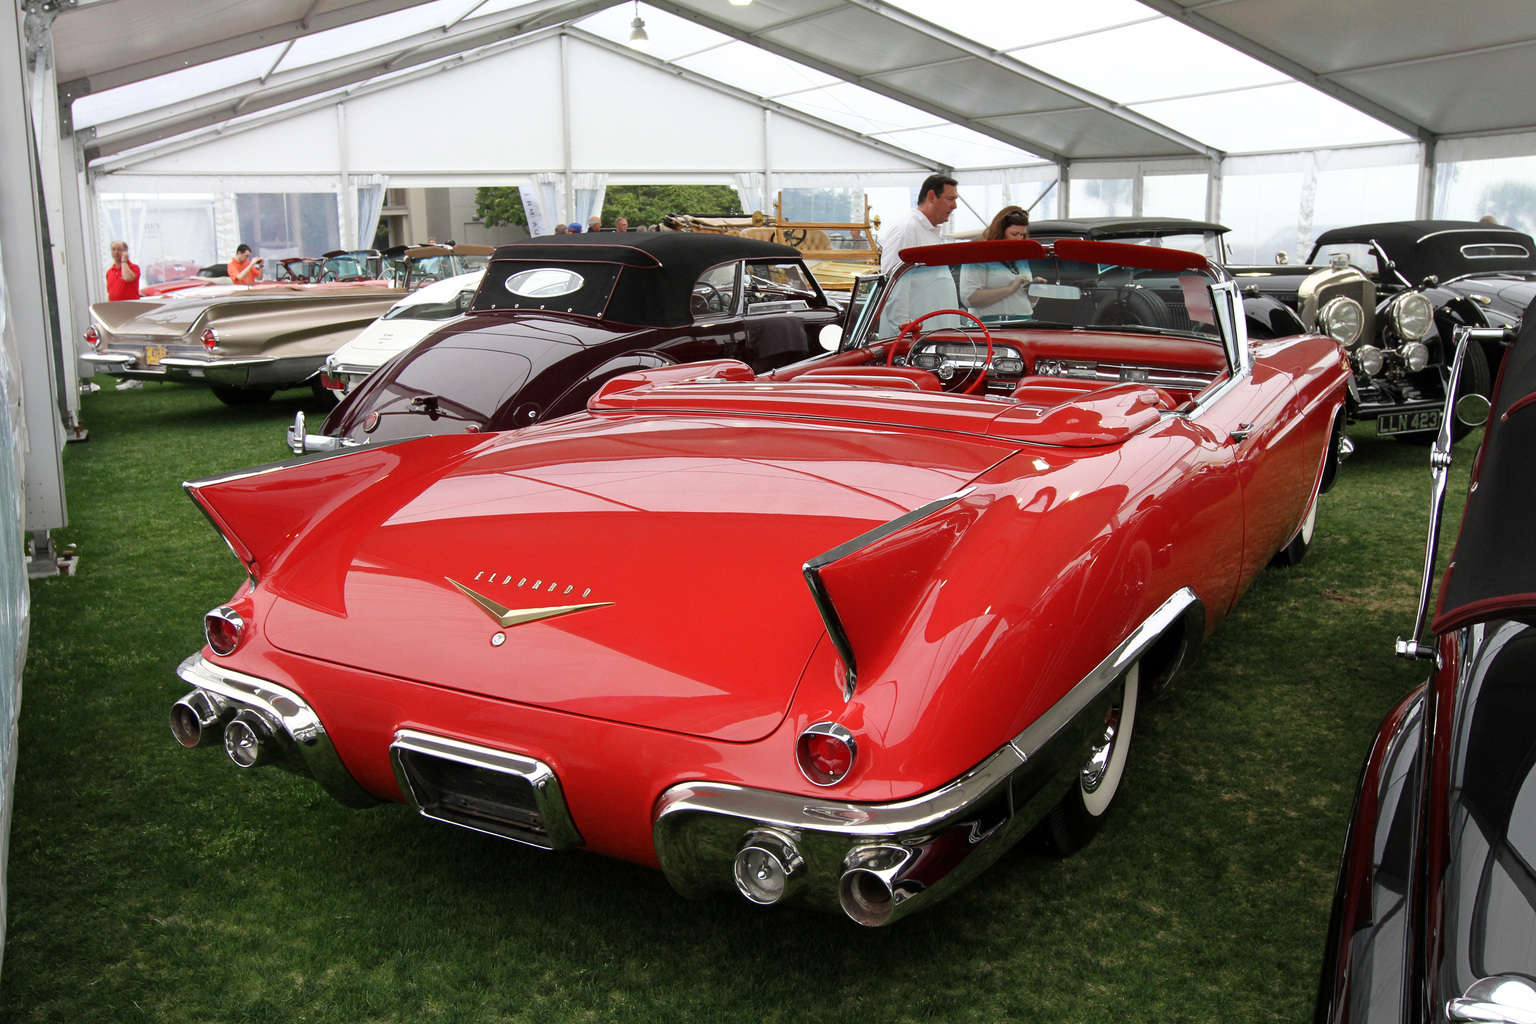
(1241, 433)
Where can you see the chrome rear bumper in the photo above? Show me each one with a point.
(879, 862)
(252, 715)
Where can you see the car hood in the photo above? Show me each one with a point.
(659, 562)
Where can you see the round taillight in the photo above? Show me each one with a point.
(210, 339)
(223, 627)
(371, 422)
(93, 337)
(826, 752)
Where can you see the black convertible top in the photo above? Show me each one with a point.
(1493, 569)
(658, 268)
(1445, 248)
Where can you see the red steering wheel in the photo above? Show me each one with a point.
(911, 328)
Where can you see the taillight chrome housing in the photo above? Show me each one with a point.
(210, 339)
(825, 753)
(93, 337)
(224, 629)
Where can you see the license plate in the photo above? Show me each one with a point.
(1408, 422)
(153, 354)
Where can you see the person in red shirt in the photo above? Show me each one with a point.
(243, 269)
(122, 276)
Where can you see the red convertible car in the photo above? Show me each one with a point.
(839, 635)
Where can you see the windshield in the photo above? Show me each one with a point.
(350, 266)
(1050, 292)
(446, 309)
(429, 269)
(1206, 243)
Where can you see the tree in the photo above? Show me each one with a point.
(648, 204)
(639, 204)
(498, 205)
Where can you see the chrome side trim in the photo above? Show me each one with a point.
(812, 572)
(1184, 604)
(291, 718)
(549, 798)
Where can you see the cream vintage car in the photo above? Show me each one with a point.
(406, 322)
(244, 343)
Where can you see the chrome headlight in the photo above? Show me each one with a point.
(1416, 355)
(1368, 360)
(1343, 318)
(1413, 315)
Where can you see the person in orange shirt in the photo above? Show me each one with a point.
(243, 269)
(122, 275)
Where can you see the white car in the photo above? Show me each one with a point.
(403, 325)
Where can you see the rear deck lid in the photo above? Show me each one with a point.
(646, 571)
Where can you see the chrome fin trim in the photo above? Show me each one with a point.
(824, 604)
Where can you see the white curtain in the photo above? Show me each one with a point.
(370, 202)
(588, 201)
(541, 203)
(749, 189)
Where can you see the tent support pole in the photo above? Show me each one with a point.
(1427, 171)
(568, 200)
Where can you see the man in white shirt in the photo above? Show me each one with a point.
(923, 290)
(935, 202)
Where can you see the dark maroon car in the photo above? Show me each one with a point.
(556, 317)
(1434, 916)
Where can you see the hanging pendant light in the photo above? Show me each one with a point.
(637, 37)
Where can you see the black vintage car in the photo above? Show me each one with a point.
(1434, 914)
(1391, 293)
(557, 317)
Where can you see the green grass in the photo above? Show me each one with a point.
(151, 883)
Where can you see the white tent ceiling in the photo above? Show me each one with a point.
(999, 83)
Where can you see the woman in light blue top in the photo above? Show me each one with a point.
(999, 289)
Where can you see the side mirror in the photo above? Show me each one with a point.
(1472, 409)
(1502, 999)
(831, 336)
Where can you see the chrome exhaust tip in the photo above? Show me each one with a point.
(866, 897)
(768, 867)
(867, 890)
(249, 742)
(197, 720)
